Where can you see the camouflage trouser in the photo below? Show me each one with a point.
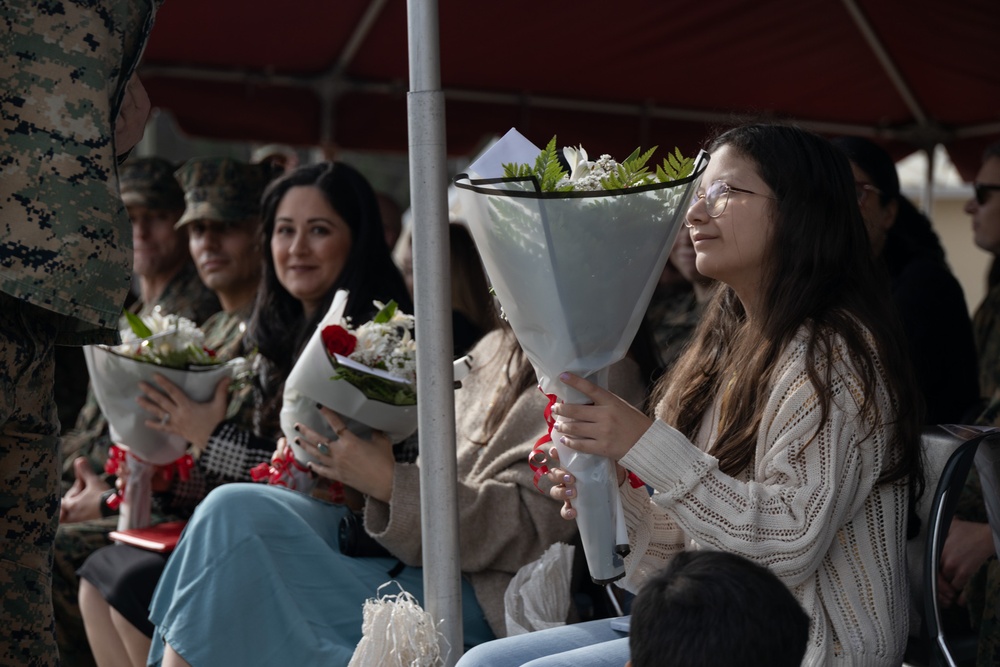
(29, 483)
(983, 591)
(74, 543)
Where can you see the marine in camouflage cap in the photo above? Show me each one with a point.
(222, 189)
(150, 182)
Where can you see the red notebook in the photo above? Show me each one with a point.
(161, 537)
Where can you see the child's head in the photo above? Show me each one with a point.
(714, 609)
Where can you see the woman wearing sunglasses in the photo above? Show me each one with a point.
(786, 433)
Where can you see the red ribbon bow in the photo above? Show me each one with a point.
(117, 456)
(538, 459)
(279, 471)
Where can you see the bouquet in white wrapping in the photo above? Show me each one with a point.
(573, 255)
(366, 375)
(168, 345)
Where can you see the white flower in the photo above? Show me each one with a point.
(174, 341)
(579, 166)
(388, 345)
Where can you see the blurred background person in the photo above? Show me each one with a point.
(280, 157)
(220, 225)
(473, 313)
(392, 218)
(927, 296)
(678, 301)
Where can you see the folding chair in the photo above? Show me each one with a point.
(949, 489)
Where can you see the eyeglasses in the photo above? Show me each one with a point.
(983, 190)
(863, 189)
(716, 198)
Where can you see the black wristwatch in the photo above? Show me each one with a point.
(106, 510)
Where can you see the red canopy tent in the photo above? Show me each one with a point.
(611, 77)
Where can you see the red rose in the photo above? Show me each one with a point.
(338, 340)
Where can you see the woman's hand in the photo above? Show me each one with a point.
(174, 412)
(968, 546)
(365, 465)
(564, 484)
(609, 427)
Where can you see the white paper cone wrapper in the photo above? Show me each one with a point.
(116, 378)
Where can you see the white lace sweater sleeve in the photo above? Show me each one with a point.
(808, 507)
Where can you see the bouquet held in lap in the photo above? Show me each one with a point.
(166, 345)
(366, 375)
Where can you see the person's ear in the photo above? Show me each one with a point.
(628, 663)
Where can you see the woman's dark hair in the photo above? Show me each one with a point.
(819, 276)
(278, 328)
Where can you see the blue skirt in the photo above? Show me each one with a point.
(258, 579)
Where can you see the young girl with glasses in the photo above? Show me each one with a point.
(787, 432)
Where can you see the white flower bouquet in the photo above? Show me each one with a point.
(366, 375)
(173, 347)
(573, 255)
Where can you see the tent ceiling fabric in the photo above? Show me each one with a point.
(313, 71)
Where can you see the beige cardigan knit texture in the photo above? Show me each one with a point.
(504, 521)
(808, 507)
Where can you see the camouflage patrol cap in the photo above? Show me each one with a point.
(222, 189)
(150, 182)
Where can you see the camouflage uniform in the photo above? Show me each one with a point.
(986, 327)
(983, 589)
(65, 264)
(223, 334)
(673, 317)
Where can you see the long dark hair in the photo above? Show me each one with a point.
(820, 275)
(278, 327)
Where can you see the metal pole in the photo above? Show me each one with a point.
(432, 287)
(927, 198)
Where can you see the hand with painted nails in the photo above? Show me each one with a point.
(608, 427)
(174, 412)
(364, 465)
(564, 484)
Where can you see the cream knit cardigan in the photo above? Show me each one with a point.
(808, 507)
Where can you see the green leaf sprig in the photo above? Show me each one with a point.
(631, 172)
(547, 170)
